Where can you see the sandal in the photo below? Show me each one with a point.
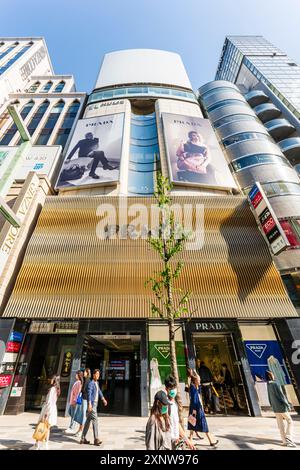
(213, 444)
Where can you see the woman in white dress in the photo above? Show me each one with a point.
(49, 410)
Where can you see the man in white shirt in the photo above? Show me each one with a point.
(177, 431)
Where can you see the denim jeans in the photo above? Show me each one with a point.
(85, 405)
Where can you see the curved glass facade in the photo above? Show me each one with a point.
(234, 139)
(280, 187)
(144, 154)
(227, 102)
(208, 93)
(235, 117)
(261, 159)
(129, 92)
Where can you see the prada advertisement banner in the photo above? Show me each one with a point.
(94, 153)
(194, 155)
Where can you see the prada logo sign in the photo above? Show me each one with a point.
(211, 326)
(32, 63)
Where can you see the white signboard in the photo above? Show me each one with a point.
(41, 159)
(16, 391)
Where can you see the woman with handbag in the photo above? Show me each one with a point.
(76, 405)
(196, 420)
(48, 415)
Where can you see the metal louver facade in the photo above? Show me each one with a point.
(70, 273)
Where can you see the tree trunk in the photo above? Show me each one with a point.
(174, 368)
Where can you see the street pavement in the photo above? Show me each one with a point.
(127, 433)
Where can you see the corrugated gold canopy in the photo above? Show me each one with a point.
(68, 272)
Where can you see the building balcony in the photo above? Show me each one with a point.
(291, 149)
(256, 97)
(267, 111)
(279, 128)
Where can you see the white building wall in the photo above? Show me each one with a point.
(134, 66)
(35, 60)
(38, 100)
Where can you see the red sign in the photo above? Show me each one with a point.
(13, 347)
(5, 380)
(289, 232)
(256, 200)
(268, 225)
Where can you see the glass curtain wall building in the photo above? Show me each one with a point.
(270, 82)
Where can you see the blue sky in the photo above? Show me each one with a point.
(79, 32)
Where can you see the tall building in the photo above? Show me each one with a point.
(80, 299)
(269, 81)
(49, 107)
(20, 58)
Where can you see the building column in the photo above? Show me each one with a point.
(82, 330)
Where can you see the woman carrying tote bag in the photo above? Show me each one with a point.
(48, 415)
(76, 405)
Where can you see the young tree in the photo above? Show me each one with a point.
(168, 242)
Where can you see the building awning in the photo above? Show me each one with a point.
(68, 272)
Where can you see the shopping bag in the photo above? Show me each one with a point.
(192, 420)
(41, 431)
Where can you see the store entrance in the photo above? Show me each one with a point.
(118, 358)
(52, 354)
(215, 350)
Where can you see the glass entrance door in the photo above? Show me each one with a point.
(217, 353)
(118, 358)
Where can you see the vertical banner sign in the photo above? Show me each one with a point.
(267, 219)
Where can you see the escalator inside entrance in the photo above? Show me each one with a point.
(118, 358)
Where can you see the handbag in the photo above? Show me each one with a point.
(74, 172)
(79, 399)
(192, 420)
(41, 431)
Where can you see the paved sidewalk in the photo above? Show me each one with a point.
(119, 432)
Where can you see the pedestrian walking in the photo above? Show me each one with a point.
(281, 408)
(227, 382)
(158, 429)
(197, 420)
(86, 381)
(206, 378)
(94, 393)
(177, 431)
(76, 405)
(49, 411)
